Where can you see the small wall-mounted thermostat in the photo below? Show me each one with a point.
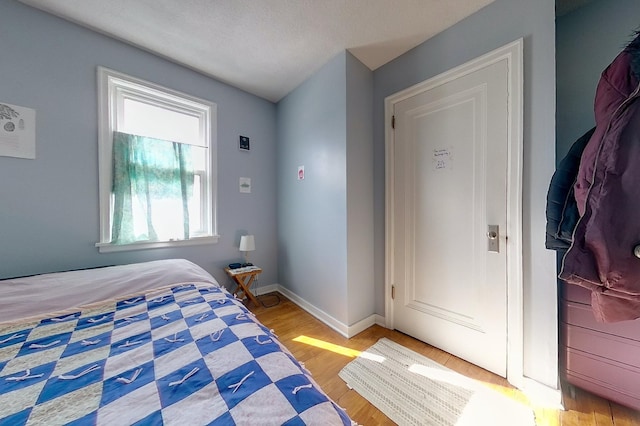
(244, 143)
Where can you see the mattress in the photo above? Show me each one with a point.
(153, 343)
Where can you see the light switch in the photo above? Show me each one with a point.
(245, 185)
(244, 143)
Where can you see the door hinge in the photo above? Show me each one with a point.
(393, 121)
(393, 291)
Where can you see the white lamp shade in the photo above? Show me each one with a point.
(247, 243)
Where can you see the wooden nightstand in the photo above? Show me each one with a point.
(244, 277)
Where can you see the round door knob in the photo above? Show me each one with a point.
(493, 235)
(636, 251)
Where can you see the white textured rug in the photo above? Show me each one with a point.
(411, 389)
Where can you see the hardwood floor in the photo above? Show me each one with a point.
(297, 330)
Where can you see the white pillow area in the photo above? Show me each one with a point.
(41, 294)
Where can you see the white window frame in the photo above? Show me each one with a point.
(113, 87)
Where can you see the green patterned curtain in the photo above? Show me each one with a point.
(152, 184)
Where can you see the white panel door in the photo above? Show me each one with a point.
(450, 185)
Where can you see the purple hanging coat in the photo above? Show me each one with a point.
(607, 193)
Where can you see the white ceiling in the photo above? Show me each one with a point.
(269, 47)
(266, 47)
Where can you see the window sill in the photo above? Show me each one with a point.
(108, 247)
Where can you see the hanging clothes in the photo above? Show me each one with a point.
(607, 193)
(562, 210)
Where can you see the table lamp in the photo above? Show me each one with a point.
(247, 244)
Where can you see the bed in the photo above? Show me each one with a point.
(150, 343)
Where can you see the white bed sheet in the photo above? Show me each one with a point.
(41, 294)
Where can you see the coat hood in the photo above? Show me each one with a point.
(617, 82)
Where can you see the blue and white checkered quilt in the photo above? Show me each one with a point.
(188, 354)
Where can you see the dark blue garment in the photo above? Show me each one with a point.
(562, 210)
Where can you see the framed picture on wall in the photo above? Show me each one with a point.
(17, 131)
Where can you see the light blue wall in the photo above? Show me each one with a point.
(49, 206)
(360, 279)
(312, 227)
(325, 222)
(587, 40)
(497, 24)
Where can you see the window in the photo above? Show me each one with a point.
(156, 165)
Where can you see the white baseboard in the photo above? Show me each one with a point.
(318, 313)
(361, 325)
(381, 320)
(542, 395)
(345, 330)
(264, 289)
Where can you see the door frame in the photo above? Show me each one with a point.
(513, 54)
